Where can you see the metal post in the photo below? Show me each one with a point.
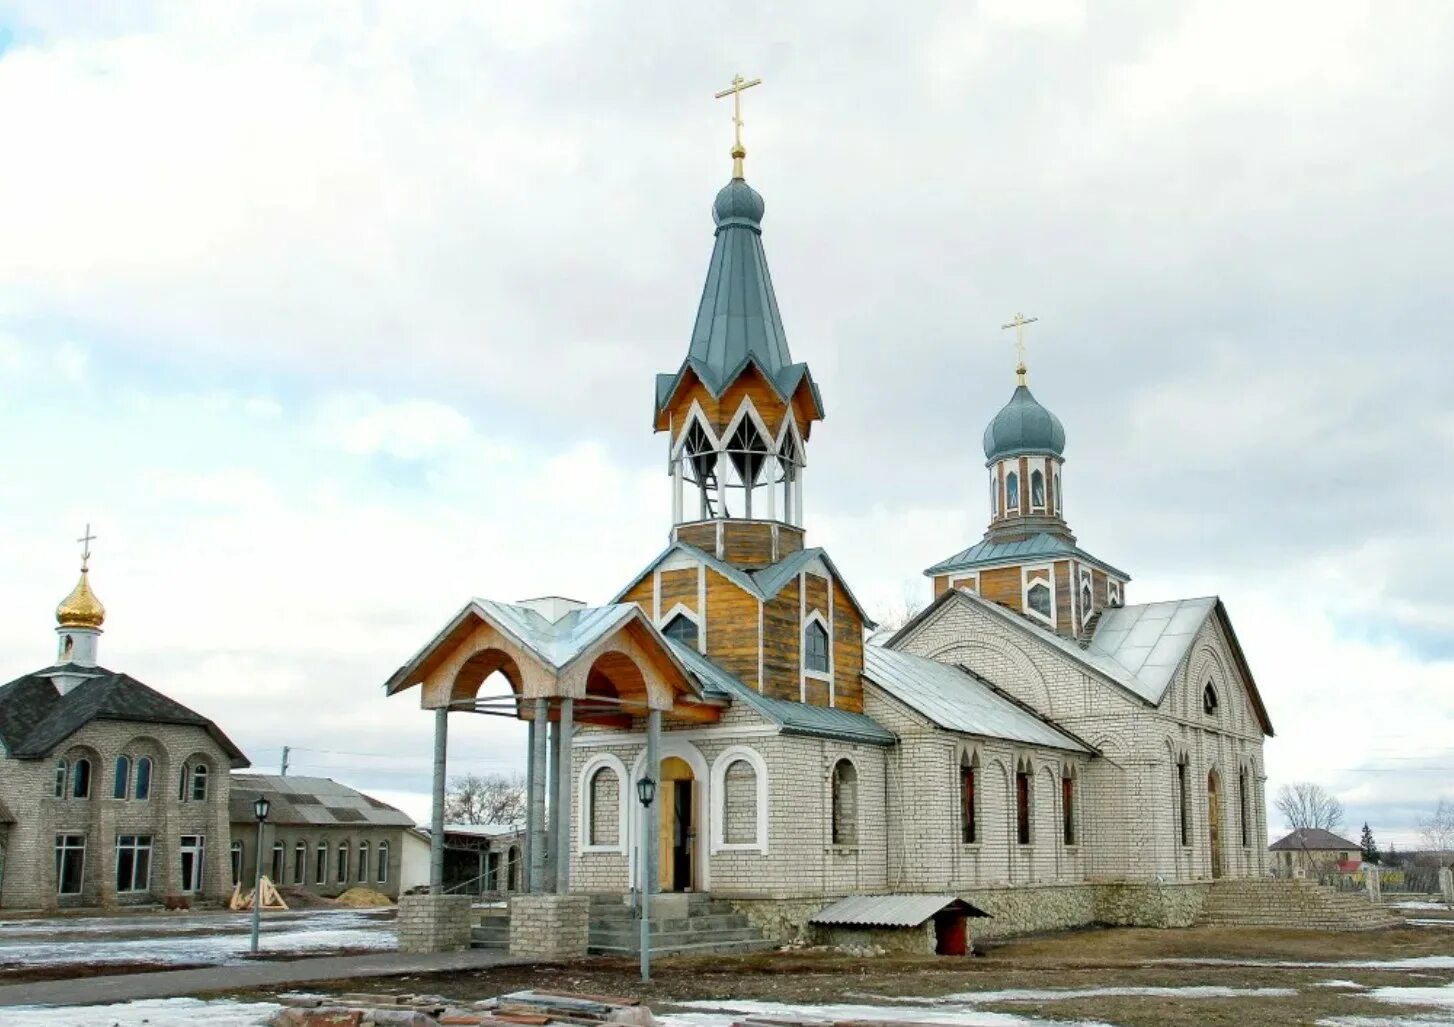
(563, 796)
(650, 876)
(552, 824)
(257, 888)
(527, 844)
(653, 760)
(537, 797)
(436, 815)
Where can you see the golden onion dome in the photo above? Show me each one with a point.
(81, 609)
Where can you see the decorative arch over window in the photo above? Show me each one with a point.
(968, 799)
(845, 803)
(121, 783)
(1209, 700)
(1024, 796)
(1087, 596)
(815, 645)
(748, 453)
(1037, 489)
(1067, 803)
(1113, 592)
(142, 791)
(604, 802)
(739, 801)
(1012, 493)
(81, 779)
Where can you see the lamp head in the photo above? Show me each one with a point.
(646, 791)
(260, 808)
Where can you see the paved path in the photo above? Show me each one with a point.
(171, 983)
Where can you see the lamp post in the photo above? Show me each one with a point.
(259, 811)
(646, 794)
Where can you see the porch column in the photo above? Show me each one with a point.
(537, 796)
(563, 796)
(525, 846)
(653, 814)
(436, 813)
(552, 773)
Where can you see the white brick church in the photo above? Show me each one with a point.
(1030, 742)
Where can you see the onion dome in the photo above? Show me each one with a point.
(81, 609)
(1023, 426)
(738, 202)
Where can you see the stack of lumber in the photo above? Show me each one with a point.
(521, 1009)
(542, 1008)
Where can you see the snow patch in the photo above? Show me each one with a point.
(1060, 994)
(166, 1012)
(1350, 985)
(1442, 996)
(725, 1012)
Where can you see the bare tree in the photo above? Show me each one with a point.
(485, 799)
(1437, 832)
(1308, 805)
(895, 615)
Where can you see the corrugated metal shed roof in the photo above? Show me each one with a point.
(1041, 546)
(792, 717)
(310, 801)
(958, 701)
(889, 910)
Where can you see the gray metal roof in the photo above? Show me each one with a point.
(1313, 839)
(1149, 641)
(310, 802)
(738, 320)
(557, 642)
(958, 701)
(1023, 426)
(1041, 546)
(889, 910)
(792, 718)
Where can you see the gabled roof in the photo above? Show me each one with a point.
(792, 718)
(1137, 648)
(764, 584)
(310, 801)
(35, 718)
(1038, 547)
(1312, 839)
(958, 701)
(890, 910)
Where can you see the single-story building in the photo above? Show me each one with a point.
(481, 859)
(917, 925)
(1311, 850)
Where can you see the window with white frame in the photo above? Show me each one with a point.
(739, 800)
(62, 773)
(320, 863)
(363, 862)
(1037, 489)
(605, 799)
(133, 862)
(70, 863)
(815, 648)
(192, 849)
(748, 453)
(236, 858)
(1059, 496)
(1113, 592)
(1039, 597)
(383, 875)
(277, 868)
(199, 782)
(121, 778)
(845, 803)
(789, 469)
(300, 861)
(994, 492)
(142, 791)
(343, 861)
(1012, 493)
(1087, 595)
(683, 629)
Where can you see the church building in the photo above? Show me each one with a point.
(1030, 743)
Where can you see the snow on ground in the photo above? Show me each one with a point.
(165, 1012)
(1442, 997)
(722, 1013)
(1061, 994)
(1417, 922)
(1418, 1020)
(1350, 985)
(1410, 963)
(1418, 905)
(188, 938)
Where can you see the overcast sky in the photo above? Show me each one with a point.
(328, 316)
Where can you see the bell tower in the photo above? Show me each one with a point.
(739, 411)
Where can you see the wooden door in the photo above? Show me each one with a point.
(1214, 822)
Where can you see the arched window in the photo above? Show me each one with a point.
(143, 779)
(699, 466)
(62, 772)
(122, 784)
(1242, 807)
(747, 456)
(300, 861)
(236, 857)
(1022, 802)
(277, 868)
(790, 463)
(199, 783)
(1037, 489)
(383, 874)
(994, 494)
(1059, 496)
(968, 811)
(320, 863)
(739, 803)
(1067, 802)
(683, 629)
(363, 862)
(605, 799)
(1183, 801)
(1209, 700)
(815, 648)
(81, 779)
(343, 855)
(845, 803)
(1012, 492)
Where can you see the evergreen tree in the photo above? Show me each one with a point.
(1370, 847)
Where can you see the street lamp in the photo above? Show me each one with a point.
(646, 794)
(259, 811)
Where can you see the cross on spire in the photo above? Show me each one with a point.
(86, 540)
(1018, 324)
(735, 91)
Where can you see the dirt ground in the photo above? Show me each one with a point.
(1071, 960)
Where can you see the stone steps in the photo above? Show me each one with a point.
(1296, 904)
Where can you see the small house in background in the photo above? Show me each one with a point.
(1312, 850)
(917, 925)
(480, 859)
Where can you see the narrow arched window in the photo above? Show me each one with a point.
(1209, 700)
(300, 861)
(1037, 489)
(815, 648)
(699, 466)
(1012, 492)
(747, 456)
(121, 786)
(1067, 803)
(968, 811)
(1183, 801)
(62, 772)
(845, 803)
(383, 874)
(739, 804)
(605, 797)
(236, 858)
(682, 629)
(143, 779)
(994, 494)
(343, 855)
(790, 462)
(320, 863)
(1087, 596)
(1022, 803)
(1059, 496)
(1242, 807)
(199, 783)
(81, 779)
(277, 868)
(363, 862)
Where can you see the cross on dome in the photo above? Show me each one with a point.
(1018, 324)
(735, 91)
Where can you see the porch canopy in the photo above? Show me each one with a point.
(565, 663)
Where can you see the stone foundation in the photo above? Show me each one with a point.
(881, 941)
(434, 923)
(549, 927)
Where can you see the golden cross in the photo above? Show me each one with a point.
(1018, 324)
(86, 541)
(735, 91)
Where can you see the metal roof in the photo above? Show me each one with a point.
(792, 718)
(557, 642)
(1040, 546)
(1313, 839)
(958, 701)
(1023, 425)
(1149, 641)
(310, 801)
(889, 910)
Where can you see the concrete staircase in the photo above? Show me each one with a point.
(491, 929)
(1291, 903)
(680, 924)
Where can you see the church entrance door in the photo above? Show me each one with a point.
(678, 824)
(1214, 822)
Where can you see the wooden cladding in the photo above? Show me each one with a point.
(847, 653)
(750, 545)
(732, 629)
(816, 596)
(1002, 585)
(720, 412)
(679, 587)
(782, 644)
(702, 534)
